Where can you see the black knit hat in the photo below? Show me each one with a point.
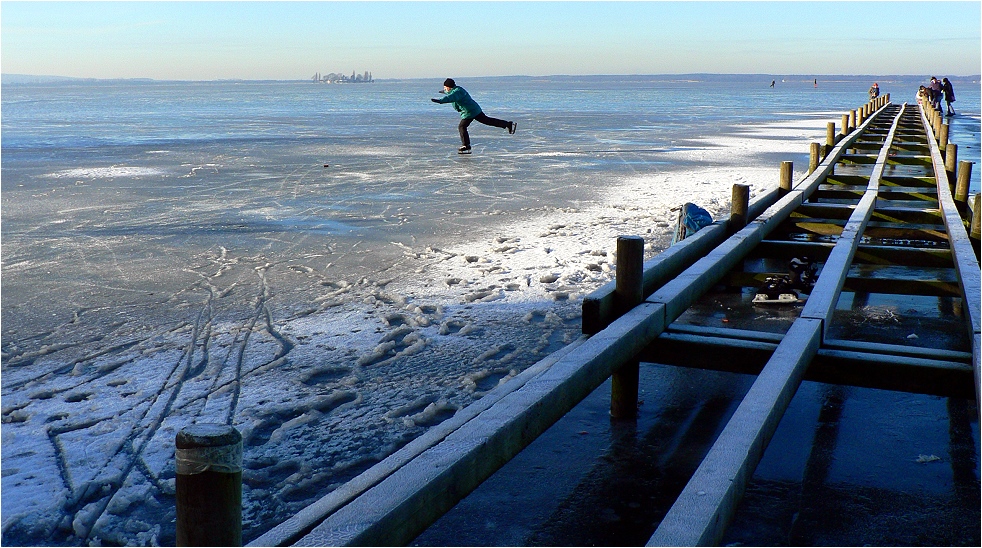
(450, 83)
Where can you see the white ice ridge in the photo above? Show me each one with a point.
(105, 172)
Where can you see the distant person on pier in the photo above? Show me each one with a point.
(772, 83)
(874, 91)
(935, 89)
(949, 95)
(469, 111)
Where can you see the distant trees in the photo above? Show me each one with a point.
(335, 78)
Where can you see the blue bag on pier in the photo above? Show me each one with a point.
(691, 219)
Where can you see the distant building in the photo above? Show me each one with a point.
(336, 78)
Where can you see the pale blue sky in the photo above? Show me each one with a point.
(281, 40)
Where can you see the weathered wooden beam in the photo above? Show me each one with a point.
(866, 254)
(884, 280)
(961, 246)
(598, 306)
(933, 375)
(402, 505)
(709, 500)
(301, 523)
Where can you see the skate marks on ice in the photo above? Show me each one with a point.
(98, 425)
(320, 393)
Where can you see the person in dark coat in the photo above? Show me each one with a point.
(469, 111)
(949, 95)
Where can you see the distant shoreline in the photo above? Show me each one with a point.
(28, 79)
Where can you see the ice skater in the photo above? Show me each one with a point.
(469, 111)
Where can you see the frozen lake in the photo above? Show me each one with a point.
(315, 265)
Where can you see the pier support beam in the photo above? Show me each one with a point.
(628, 294)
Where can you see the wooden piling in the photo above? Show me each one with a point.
(852, 119)
(209, 485)
(845, 125)
(628, 294)
(787, 172)
(964, 177)
(943, 136)
(976, 228)
(739, 203)
(814, 157)
(829, 136)
(951, 163)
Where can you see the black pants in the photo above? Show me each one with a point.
(484, 119)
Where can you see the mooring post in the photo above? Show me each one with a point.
(787, 172)
(951, 163)
(813, 157)
(628, 293)
(975, 230)
(860, 116)
(964, 176)
(209, 485)
(739, 205)
(829, 138)
(943, 136)
(852, 119)
(845, 125)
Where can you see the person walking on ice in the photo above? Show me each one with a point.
(469, 111)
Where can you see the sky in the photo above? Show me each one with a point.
(293, 40)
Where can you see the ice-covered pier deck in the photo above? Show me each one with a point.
(884, 220)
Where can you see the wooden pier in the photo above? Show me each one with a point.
(882, 217)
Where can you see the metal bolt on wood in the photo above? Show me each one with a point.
(209, 485)
(628, 294)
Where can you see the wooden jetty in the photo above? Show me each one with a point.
(882, 217)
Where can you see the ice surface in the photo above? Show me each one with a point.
(330, 314)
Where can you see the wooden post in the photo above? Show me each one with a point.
(951, 163)
(860, 116)
(209, 485)
(961, 187)
(813, 157)
(787, 172)
(976, 227)
(739, 204)
(852, 119)
(845, 125)
(830, 135)
(943, 136)
(628, 293)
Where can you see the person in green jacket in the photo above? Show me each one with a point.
(469, 111)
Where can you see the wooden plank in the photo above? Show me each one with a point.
(824, 296)
(964, 255)
(859, 367)
(301, 523)
(708, 501)
(866, 254)
(406, 502)
(598, 306)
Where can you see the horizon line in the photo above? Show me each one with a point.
(6, 75)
